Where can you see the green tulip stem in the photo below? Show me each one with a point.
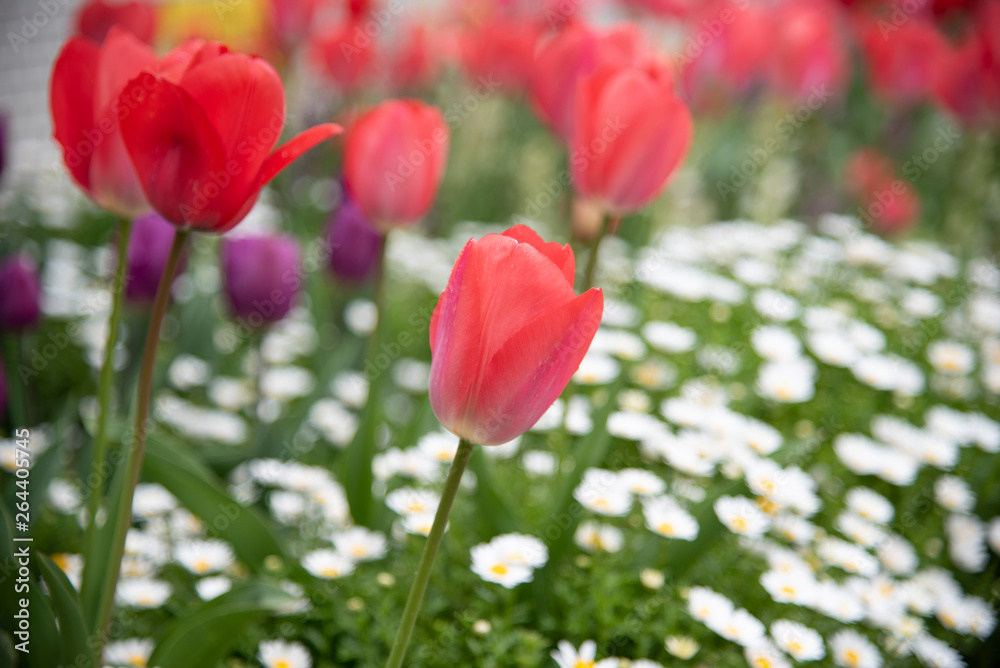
(96, 479)
(419, 585)
(134, 462)
(610, 225)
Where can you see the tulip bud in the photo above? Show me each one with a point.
(260, 275)
(507, 334)
(631, 131)
(148, 247)
(19, 293)
(354, 245)
(394, 160)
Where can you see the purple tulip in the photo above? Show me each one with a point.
(19, 293)
(354, 245)
(261, 276)
(148, 248)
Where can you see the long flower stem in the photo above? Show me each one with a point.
(610, 224)
(95, 481)
(419, 586)
(134, 462)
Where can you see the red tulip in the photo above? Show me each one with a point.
(201, 136)
(888, 204)
(865, 170)
(809, 54)
(507, 334)
(416, 61)
(96, 18)
(345, 54)
(968, 81)
(631, 131)
(501, 49)
(394, 160)
(727, 52)
(87, 80)
(574, 53)
(903, 61)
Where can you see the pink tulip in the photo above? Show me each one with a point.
(394, 160)
(507, 335)
(631, 132)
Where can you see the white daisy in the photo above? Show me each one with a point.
(212, 587)
(598, 537)
(799, 641)
(360, 544)
(283, 654)
(567, 656)
(143, 593)
(328, 564)
(133, 652)
(765, 655)
(490, 563)
(951, 357)
(740, 515)
(666, 518)
(852, 650)
(204, 556)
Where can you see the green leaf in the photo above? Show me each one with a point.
(202, 492)
(97, 566)
(590, 452)
(203, 637)
(494, 510)
(43, 645)
(76, 650)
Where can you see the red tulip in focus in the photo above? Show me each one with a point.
(87, 80)
(902, 61)
(201, 135)
(887, 204)
(631, 131)
(394, 160)
(810, 50)
(507, 334)
(572, 54)
(95, 19)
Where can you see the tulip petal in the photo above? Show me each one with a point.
(560, 254)
(175, 151)
(244, 100)
(122, 57)
(496, 288)
(533, 367)
(71, 92)
(640, 164)
(293, 148)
